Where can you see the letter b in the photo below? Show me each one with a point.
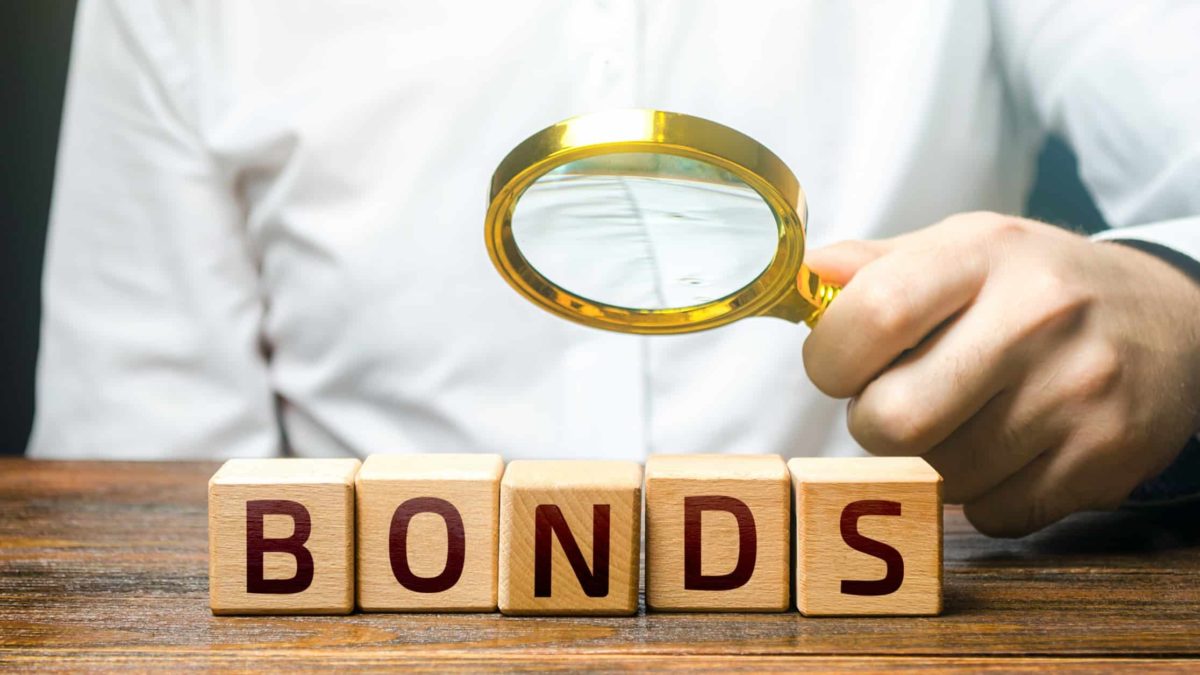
(257, 545)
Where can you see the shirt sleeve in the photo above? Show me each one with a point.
(151, 315)
(1118, 82)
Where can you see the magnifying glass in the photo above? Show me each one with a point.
(644, 221)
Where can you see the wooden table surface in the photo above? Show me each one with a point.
(105, 565)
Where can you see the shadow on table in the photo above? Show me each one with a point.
(1135, 531)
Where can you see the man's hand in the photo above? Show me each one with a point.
(1040, 372)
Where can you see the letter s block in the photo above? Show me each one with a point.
(718, 533)
(570, 537)
(281, 536)
(868, 536)
(427, 532)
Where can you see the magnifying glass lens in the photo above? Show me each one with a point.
(643, 230)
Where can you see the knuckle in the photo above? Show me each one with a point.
(885, 421)
(1049, 284)
(1001, 227)
(1098, 371)
(823, 365)
(885, 310)
(1057, 304)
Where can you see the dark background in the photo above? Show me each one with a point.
(35, 39)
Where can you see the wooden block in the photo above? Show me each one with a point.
(281, 536)
(718, 533)
(570, 537)
(868, 536)
(427, 532)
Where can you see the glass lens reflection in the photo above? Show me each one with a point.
(645, 231)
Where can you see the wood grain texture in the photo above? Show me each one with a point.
(587, 496)
(469, 484)
(868, 536)
(322, 491)
(677, 484)
(103, 566)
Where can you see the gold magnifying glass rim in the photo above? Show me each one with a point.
(645, 130)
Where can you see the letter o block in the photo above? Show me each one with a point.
(281, 536)
(570, 537)
(427, 532)
(868, 536)
(718, 533)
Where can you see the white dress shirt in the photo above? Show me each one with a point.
(267, 228)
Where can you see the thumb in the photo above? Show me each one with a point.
(838, 263)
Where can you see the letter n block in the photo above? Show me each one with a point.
(868, 536)
(427, 532)
(570, 537)
(281, 536)
(718, 533)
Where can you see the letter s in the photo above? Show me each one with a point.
(894, 576)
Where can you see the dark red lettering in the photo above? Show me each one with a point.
(548, 519)
(693, 579)
(257, 545)
(456, 545)
(895, 562)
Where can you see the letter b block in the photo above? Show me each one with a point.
(281, 536)
(717, 533)
(868, 536)
(570, 536)
(427, 532)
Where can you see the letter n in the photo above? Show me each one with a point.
(548, 519)
(257, 545)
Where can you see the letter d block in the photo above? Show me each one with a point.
(570, 537)
(868, 536)
(718, 533)
(427, 532)
(281, 536)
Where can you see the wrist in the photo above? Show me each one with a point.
(1166, 284)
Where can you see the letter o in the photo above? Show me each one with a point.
(456, 545)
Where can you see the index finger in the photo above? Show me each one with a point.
(889, 307)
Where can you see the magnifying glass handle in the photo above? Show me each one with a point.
(809, 300)
(816, 293)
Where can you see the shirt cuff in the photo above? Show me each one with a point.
(1179, 483)
(1181, 236)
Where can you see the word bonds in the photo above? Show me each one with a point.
(465, 533)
